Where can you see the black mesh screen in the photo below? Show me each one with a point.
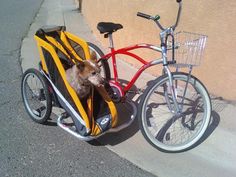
(56, 78)
(78, 49)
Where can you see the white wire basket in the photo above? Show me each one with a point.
(189, 48)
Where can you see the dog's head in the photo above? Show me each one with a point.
(89, 71)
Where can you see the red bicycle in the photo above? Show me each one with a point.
(175, 110)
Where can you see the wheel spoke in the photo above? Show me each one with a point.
(175, 131)
(36, 97)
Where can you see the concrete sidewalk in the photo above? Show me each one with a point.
(215, 156)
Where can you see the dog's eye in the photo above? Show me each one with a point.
(93, 73)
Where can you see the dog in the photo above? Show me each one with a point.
(83, 75)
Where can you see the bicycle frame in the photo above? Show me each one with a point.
(164, 34)
(126, 51)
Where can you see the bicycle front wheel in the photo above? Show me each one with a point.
(161, 126)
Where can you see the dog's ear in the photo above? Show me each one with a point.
(93, 56)
(80, 65)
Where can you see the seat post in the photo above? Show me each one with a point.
(111, 41)
(113, 57)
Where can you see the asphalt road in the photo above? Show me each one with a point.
(30, 149)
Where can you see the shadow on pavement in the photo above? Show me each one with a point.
(217, 106)
(52, 120)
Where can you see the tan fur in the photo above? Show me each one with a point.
(84, 74)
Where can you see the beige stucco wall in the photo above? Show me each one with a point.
(215, 18)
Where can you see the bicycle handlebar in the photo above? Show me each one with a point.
(149, 17)
(178, 15)
(157, 17)
(140, 14)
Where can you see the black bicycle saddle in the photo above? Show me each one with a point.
(108, 27)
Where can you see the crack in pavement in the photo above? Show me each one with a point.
(10, 52)
(9, 102)
(4, 103)
(18, 78)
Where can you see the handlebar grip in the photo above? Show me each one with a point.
(140, 14)
(178, 1)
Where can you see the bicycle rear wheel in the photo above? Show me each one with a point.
(36, 97)
(169, 131)
(105, 69)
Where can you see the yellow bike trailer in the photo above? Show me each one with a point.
(59, 50)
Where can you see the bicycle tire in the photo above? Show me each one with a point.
(168, 133)
(39, 90)
(104, 63)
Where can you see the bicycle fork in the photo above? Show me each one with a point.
(172, 91)
(167, 71)
(173, 85)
